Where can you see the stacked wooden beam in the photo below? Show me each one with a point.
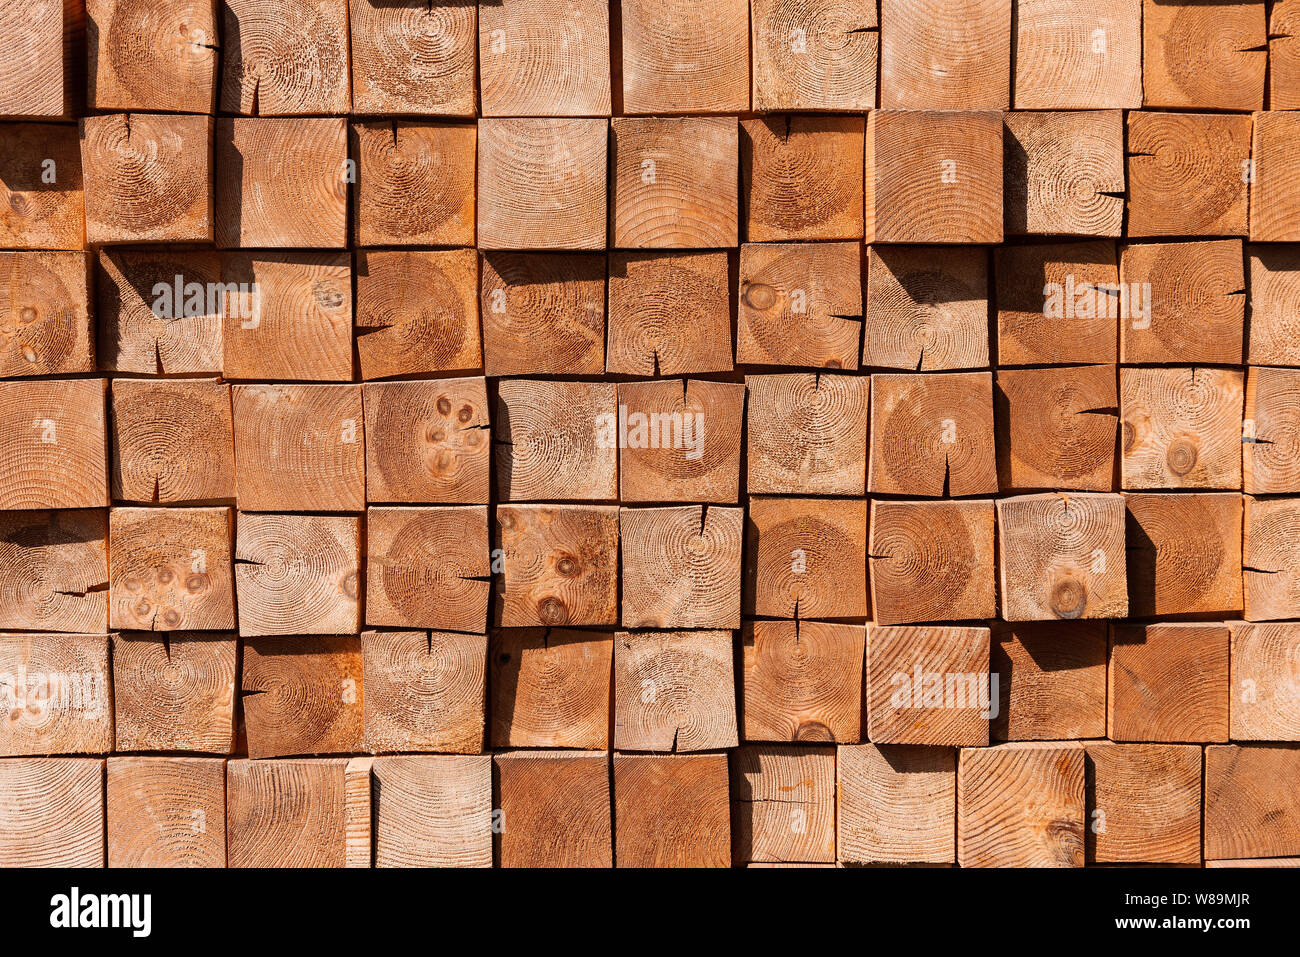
(650, 433)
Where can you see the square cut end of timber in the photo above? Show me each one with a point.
(1021, 805)
(427, 567)
(1062, 556)
(526, 200)
(297, 574)
(148, 178)
(929, 685)
(672, 810)
(170, 569)
(1169, 682)
(934, 177)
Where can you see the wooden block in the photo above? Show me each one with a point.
(674, 691)
(1056, 428)
(52, 812)
(298, 574)
(1265, 682)
(675, 182)
(767, 865)
(932, 561)
(1284, 55)
(148, 178)
(425, 691)
(1257, 862)
(296, 322)
(1181, 427)
(783, 803)
(415, 183)
(53, 444)
(671, 810)
(550, 688)
(1062, 556)
(54, 571)
(169, 569)
(1271, 558)
(526, 200)
(285, 57)
(669, 313)
(800, 176)
(1021, 805)
(1210, 56)
(683, 441)
(802, 681)
(1187, 174)
(945, 55)
(895, 804)
(173, 441)
(299, 447)
(1274, 210)
(41, 186)
(543, 314)
(302, 696)
(927, 308)
(1047, 303)
(414, 57)
(933, 177)
(1144, 803)
(548, 440)
(807, 433)
(286, 813)
(661, 35)
(45, 314)
(1073, 57)
(932, 434)
(1184, 553)
(358, 814)
(281, 182)
(1064, 173)
(681, 566)
(427, 441)
(555, 809)
(145, 324)
(40, 77)
(1252, 806)
(929, 685)
(1193, 298)
(56, 694)
(1168, 682)
(434, 811)
(427, 567)
(1274, 304)
(800, 305)
(174, 692)
(806, 558)
(166, 812)
(160, 57)
(544, 59)
(417, 312)
(1051, 680)
(559, 565)
(814, 56)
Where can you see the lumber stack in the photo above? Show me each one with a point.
(654, 433)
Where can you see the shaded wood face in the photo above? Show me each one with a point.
(649, 433)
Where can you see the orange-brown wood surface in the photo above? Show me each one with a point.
(549, 433)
